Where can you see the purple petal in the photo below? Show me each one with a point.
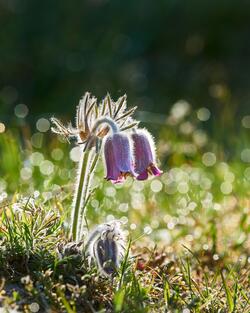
(113, 173)
(143, 175)
(143, 152)
(123, 153)
(155, 170)
(120, 179)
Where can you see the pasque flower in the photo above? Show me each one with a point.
(94, 123)
(124, 154)
(118, 157)
(144, 154)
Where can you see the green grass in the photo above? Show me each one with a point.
(189, 229)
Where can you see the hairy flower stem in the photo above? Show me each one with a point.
(78, 200)
(106, 120)
(87, 192)
(87, 168)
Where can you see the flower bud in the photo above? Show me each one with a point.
(106, 246)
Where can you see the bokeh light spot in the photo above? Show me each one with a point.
(186, 128)
(137, 185)
(217, 206)
(229, 177)
(171, 225)
(36, 158)
(226, 188)
(216, 257)
(110, 192)
(46, 167)
(147, 230)
(26, 173)
(246, 121)
(133, 226)
(183, 187)
(3, 185)
(124, 220)
(247, 173)
(192, 205)
(57, 154)
(203, 114)
(34, 307)
(205, 247)
(2, 128)
(199, 138)
(36, 194)
(75, 154)
(245, 155)
(180, 109)
(21, 110)
(110, 218)
(123, 207)
(37, 140)
(156, 185)
(43, 125)
(209, 159)
(205, 183)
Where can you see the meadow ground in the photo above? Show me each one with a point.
(188, 230)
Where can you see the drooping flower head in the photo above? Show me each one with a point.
(118, 157)
(106, 246)
(144, 154)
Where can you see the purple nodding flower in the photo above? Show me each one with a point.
(144, 150)
(118, 157)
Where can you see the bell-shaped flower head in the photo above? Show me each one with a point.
(118, 157)
(144, 154)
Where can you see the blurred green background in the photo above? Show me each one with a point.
(185, 64)
(158, 52)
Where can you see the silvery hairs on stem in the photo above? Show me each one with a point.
(106, 247)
